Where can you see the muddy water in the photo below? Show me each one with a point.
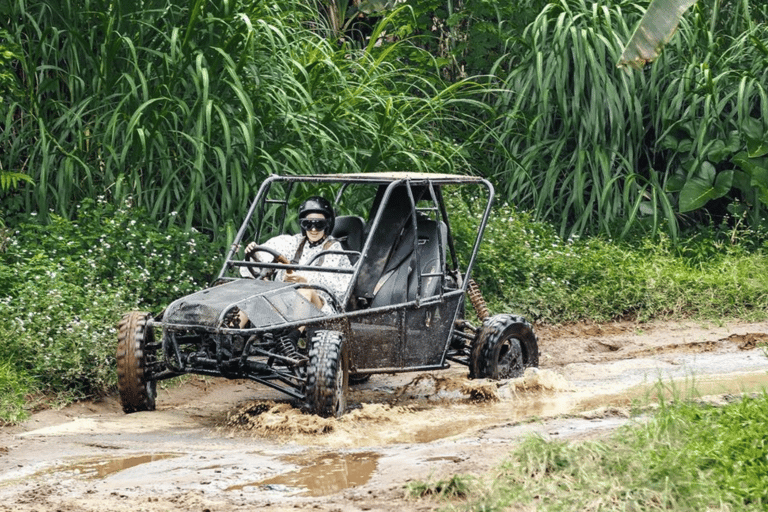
(424, 409)
(101, 468)
(223, 442)
(327, 474)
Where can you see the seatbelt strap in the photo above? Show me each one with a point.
(300, 250)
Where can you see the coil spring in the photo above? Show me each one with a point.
(476, 298)
(288, 348)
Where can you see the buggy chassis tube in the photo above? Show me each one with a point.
(267, 183)
(283, 266)
(246, 368)
(266, 380)
(319, 320)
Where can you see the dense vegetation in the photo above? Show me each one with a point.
(64, 286)
(187, 107)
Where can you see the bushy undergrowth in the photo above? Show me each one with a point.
(64, 286)
(525, 267)
(687, 457)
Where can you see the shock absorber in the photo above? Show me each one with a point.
(288, 347)
(476, 298)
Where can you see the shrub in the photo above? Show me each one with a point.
(66, 284)
(525, 267)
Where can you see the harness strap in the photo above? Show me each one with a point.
(300, 250)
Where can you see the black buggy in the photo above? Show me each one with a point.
(403, 311)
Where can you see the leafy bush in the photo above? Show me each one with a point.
(14, 385)
(525, 267)
(65, 285)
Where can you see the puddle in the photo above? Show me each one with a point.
(330, 473)
(691, 387)
(102, 468)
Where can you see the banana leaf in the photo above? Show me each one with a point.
(656, 28)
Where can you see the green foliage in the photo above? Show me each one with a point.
(714, 107)
(466, 38)
(188, 107)
(570, 141)
(65, 285)
(596, 149)
(105, 244)
(457, 486)
(525, 267)
(688, 457)
(9, 91)
(14, 386)
(10, 52)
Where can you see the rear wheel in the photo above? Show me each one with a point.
(327, 375)
(137, 392)
(505, 347)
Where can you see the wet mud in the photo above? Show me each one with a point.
(225, 445)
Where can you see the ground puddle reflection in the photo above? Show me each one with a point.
(102, 468)
(329, 473)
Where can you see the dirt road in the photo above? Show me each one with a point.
(217, 445)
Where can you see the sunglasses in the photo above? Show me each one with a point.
(313, 224)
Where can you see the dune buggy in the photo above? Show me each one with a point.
(403, 311)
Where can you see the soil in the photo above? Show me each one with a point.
(219, 445)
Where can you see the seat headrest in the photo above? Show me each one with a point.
(349, 228)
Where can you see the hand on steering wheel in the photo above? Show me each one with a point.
(250, 254)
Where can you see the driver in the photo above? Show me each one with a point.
(316, 218)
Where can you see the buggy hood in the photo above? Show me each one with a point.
(267, 304)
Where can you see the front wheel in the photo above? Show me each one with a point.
(504, 348)
(137, 391)
(327, 375)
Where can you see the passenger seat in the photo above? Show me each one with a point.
(348, 229)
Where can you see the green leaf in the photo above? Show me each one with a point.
(759, 175)
(675, 183)
(717, 151)
(723, 183)
(757, 147)
(654, 31)
(741, 181)
(755, 167)
(753, 128)
(733, 143)
(703, 187)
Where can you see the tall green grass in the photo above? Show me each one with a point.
(187, 106)
(593, 148)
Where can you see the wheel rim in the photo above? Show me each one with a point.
(510, 359)
(338, 398)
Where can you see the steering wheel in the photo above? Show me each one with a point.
(265, 272)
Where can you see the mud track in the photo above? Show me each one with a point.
(222, 445)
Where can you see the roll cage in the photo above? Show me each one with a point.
(402, 203)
